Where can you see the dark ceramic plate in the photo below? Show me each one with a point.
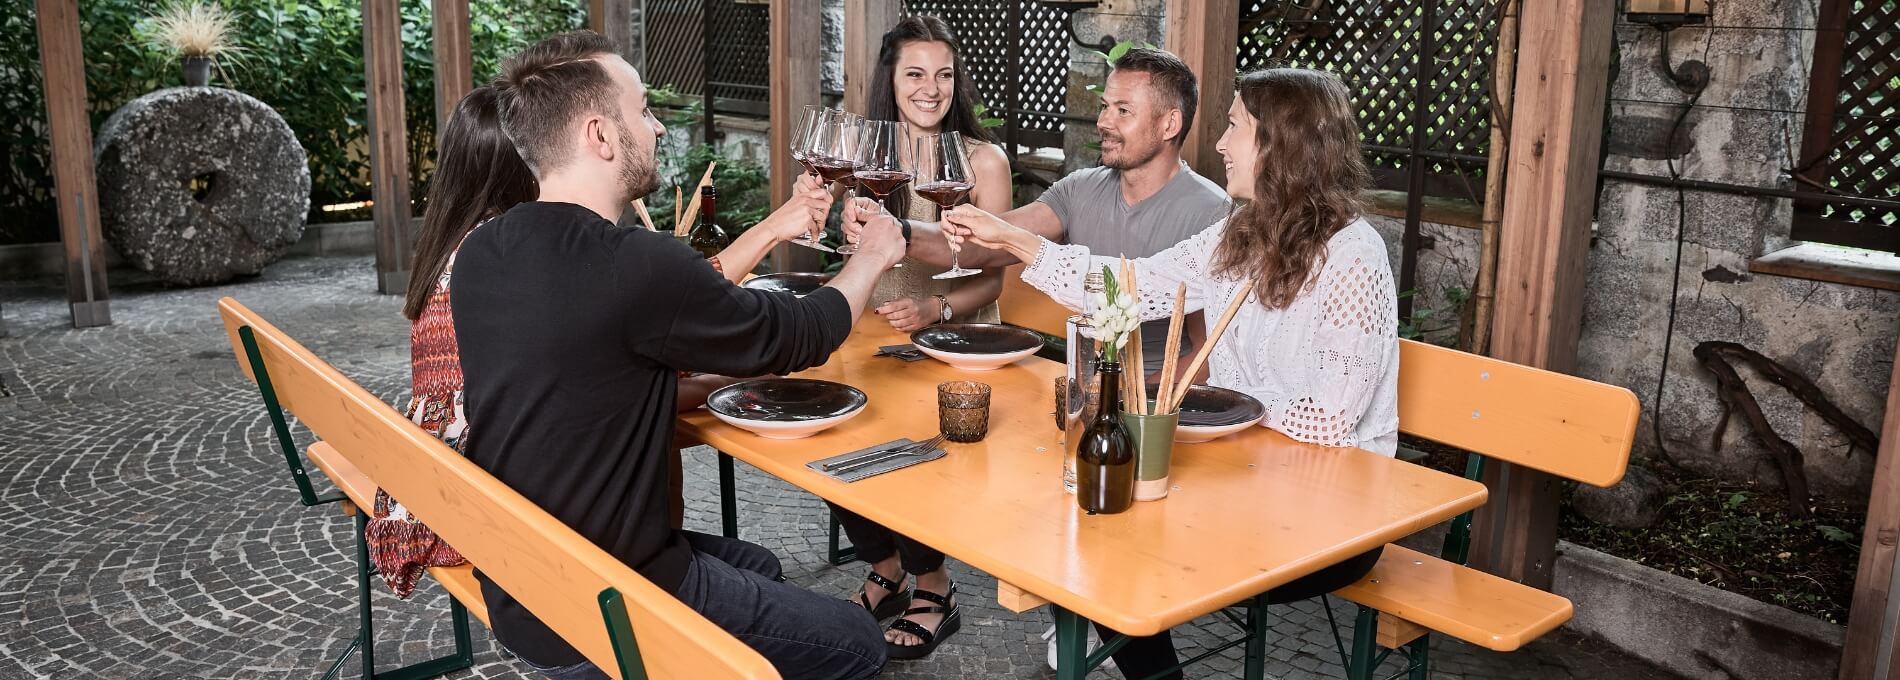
(976, 338)
(796, 283)
(785, 400)
(1207, 406)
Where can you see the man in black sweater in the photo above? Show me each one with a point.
(573, 334)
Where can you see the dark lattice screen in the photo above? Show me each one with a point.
(1380, 47)
(678, 55)
(1861, 155)
(1018, 53)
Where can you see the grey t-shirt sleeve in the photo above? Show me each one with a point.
(1059, 196)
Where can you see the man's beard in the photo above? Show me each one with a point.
(1125, 157)
(637, 175)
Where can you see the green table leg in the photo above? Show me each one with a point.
(1257, 638)
(1072, 645)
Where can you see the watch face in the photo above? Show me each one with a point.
(946, 311)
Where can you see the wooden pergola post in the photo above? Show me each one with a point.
(614, 19)
(795, 27)
(388, 145)
(1204, 33)
(454, 65)
(63, 64)
(865, 22)
(1556, 129)
(1872, 649)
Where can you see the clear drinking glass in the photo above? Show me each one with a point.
(882, 163)
(943, 177)
(808, 149)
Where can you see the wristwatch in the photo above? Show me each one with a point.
(944, 302)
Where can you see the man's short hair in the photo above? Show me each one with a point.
(547, 86)
(1171, 77)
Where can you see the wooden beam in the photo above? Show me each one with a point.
(1557, 124)
(1870, 649)
(795, 27)
(454, 67)
(63, 62)
(614, 19)
(388, 145)
(865, 22)
(1204, 33)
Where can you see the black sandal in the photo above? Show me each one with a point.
(894, 602)
(952, 620)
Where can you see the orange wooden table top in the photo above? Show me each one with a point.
(1252, 511)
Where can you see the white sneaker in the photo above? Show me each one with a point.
(1094, 644)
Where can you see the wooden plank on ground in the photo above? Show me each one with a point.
(454, 68)
(1557, 124)
(388, 145)
(63, 62)
(1869, 651)
(1204, 34)
(795, 26)
(865, 22)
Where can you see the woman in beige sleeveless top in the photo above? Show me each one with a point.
(921, 81)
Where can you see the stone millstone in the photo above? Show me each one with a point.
(200, 184)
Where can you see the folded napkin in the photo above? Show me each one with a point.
(905, 352)
(897, 462)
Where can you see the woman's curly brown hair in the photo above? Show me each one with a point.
(1307, 181)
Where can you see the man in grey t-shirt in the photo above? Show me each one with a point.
(1142, 200)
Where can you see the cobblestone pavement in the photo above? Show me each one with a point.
(151, 531)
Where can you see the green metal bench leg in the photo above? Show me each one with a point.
(1257, 638)
(1365, 633)
(840, 556)
(728, 498)
(1421, 655)
(365, 642)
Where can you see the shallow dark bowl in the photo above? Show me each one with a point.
(977, 338)
(1208, 406)
(785, 400)
(796, 283)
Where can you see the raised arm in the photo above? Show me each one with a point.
(803, 213)
(1058, 269)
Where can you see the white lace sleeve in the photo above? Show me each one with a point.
(1342, 358)
(1058, 270)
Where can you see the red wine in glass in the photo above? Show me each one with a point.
(882, 182)
(832, 169)
(946, 194)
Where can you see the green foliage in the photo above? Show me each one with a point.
(984, 120)
(745, 188)
(304, 58)
(1428, 323)
(1115, 54)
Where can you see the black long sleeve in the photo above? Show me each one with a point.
(572, 332)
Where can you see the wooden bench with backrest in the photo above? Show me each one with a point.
(616, 618)
(1567, 426)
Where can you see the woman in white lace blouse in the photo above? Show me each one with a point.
(1317, 342)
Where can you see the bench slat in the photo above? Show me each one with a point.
(458, 581)
(1479, 608)
(553, 571)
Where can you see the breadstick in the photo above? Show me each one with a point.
(1220, 328)
(640, 207)
(1168, 361)
(692, 212)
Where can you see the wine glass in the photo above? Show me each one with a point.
(882, 168)
(806, 149)
(943, 177)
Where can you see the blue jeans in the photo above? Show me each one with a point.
(737, 586)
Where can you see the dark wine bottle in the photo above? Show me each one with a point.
(707, 238)
(1105, 453)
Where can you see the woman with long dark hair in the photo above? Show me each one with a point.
(921, 81)
(1317, 341)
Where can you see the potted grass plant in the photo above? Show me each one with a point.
(200, 33)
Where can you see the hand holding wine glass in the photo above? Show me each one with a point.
(943, 178)
(882, 167)
(818, 134)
